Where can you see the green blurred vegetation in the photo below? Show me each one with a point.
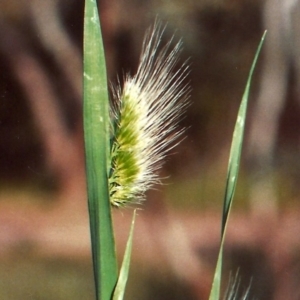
(27, 277)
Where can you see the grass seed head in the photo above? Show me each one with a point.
(145, 119)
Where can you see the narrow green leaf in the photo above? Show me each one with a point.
(215, 289)
(232, 174)
(237, 142)
(96, 136)
(122, 280)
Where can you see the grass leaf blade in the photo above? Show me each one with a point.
(216, 285)
(232, 174)
(122, 280)
(237, 142)
(96, 135)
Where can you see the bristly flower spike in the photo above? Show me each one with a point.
(145, 119)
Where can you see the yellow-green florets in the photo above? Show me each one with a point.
(145, 120)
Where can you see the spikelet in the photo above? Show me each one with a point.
(145, 119)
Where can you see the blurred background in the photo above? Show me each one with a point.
(44, 233)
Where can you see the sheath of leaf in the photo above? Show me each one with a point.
(145, 119)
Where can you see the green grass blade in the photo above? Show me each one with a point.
(232, 174)
(122, 280)
(237, 142)
(216, 285)
(96, 136)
